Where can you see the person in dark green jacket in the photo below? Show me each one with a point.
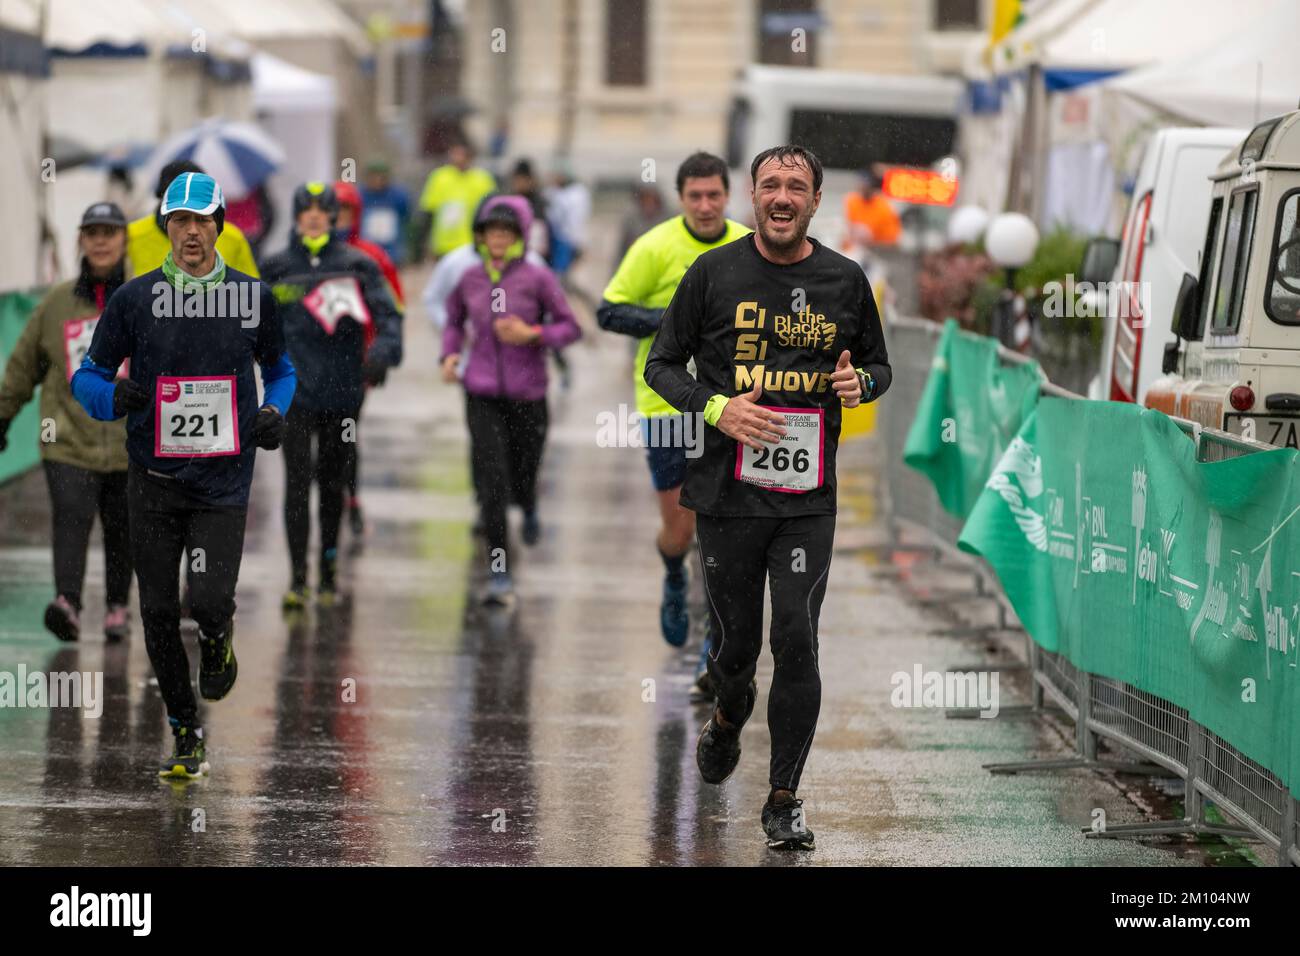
(85, 460)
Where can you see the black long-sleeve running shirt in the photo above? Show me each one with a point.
(742, 318)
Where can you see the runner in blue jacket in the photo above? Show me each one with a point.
(192, 330)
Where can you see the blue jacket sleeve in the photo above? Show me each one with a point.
(93, 385)
(279, 382)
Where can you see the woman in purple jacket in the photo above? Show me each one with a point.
(502, 302)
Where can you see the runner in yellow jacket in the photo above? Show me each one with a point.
(633, 304)
(451, 195)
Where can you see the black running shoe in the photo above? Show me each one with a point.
(62, 620)
(188, 759)
(702, 690)
(784, 824)
(718, 750)
(217, 665)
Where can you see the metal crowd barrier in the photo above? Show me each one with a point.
(911, 500)
(1158, 732)
(915, 519)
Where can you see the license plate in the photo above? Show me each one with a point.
(1280, 430)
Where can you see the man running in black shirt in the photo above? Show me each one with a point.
(784, 332)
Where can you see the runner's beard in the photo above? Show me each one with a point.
(796, 238)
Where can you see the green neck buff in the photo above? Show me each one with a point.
(314, 246)
(516, 251)
(189, 283)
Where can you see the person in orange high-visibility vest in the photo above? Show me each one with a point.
(870, 218)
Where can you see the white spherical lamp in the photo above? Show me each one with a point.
(1011, 240)
(967, 224)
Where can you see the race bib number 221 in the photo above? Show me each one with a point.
(195, 417)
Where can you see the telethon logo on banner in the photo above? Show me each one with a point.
(335, 299)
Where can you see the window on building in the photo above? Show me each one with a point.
(625, 42)
(956, 14)
(787, 32)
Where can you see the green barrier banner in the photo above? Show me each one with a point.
(1121, 552)
(971, 408)
(23, 451)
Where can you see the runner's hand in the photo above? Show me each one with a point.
(750, 423)
(129, 396)
(513, 330)
(449, 369)
(845, 381)
(268, 428)
(373, 373)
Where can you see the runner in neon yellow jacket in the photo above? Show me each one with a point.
(633, 303)
(451, 195)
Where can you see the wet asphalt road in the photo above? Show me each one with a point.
(517, 737)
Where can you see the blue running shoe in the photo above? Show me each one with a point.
(673, 619)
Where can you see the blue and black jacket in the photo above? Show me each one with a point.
(165, 332)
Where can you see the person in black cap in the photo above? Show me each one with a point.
(148, 245)
(85, 460)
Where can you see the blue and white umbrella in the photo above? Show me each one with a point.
(239, 156)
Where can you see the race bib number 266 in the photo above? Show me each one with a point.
(794, 464)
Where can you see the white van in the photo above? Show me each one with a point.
(1164, 229)
(1235, 363)
(850, 121)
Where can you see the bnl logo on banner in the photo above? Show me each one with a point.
(1103, 555)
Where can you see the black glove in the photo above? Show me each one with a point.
(4, 433)
(268, 428)
(128, 396)
(373, 373)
